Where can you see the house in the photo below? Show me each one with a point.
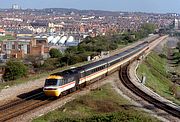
(39, 47)
(23, 46)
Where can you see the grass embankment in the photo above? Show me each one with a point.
(100, 105)
(155, 69)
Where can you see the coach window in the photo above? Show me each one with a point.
(89, 72)
(63, 81)
(82, 74)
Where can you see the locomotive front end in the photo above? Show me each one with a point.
(51, 87)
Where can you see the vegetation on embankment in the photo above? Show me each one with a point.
(100, 105)
(176, 59)
(155, 69)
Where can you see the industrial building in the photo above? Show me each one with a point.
(176, 24)
(22, 47)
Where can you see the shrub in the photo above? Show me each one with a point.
(162, 55)
(55, 53)
(14, 70)
(51, 64)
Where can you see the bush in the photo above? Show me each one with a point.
(51, 64)
(14, 70)
(55, 53)
(70, 59)
(162, 55)
(173, 89)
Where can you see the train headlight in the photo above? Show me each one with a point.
(50, 88)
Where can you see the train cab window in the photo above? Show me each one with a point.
(51, 82)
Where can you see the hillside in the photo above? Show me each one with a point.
(155, 68)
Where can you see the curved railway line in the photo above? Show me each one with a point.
(124, 77)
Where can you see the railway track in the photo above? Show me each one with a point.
(124, 77)
(30, 102)
(20, 106)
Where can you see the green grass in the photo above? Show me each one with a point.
(155, 70)
(100, 105)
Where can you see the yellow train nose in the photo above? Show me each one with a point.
(54, 93)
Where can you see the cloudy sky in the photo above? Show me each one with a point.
(158, 6)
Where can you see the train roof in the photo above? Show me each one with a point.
(94, 64)
(67, 72)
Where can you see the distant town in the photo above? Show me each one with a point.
(34, 31)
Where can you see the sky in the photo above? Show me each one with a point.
(156, 6)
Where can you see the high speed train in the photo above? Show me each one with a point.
(69, 80)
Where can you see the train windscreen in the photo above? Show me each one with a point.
(51, 82)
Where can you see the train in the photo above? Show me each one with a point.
(70, 80)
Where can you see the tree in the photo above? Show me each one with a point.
(55, 53)
(14, 70)
(148, 28)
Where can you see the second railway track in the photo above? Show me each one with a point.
(18, 107)
(124, 77)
